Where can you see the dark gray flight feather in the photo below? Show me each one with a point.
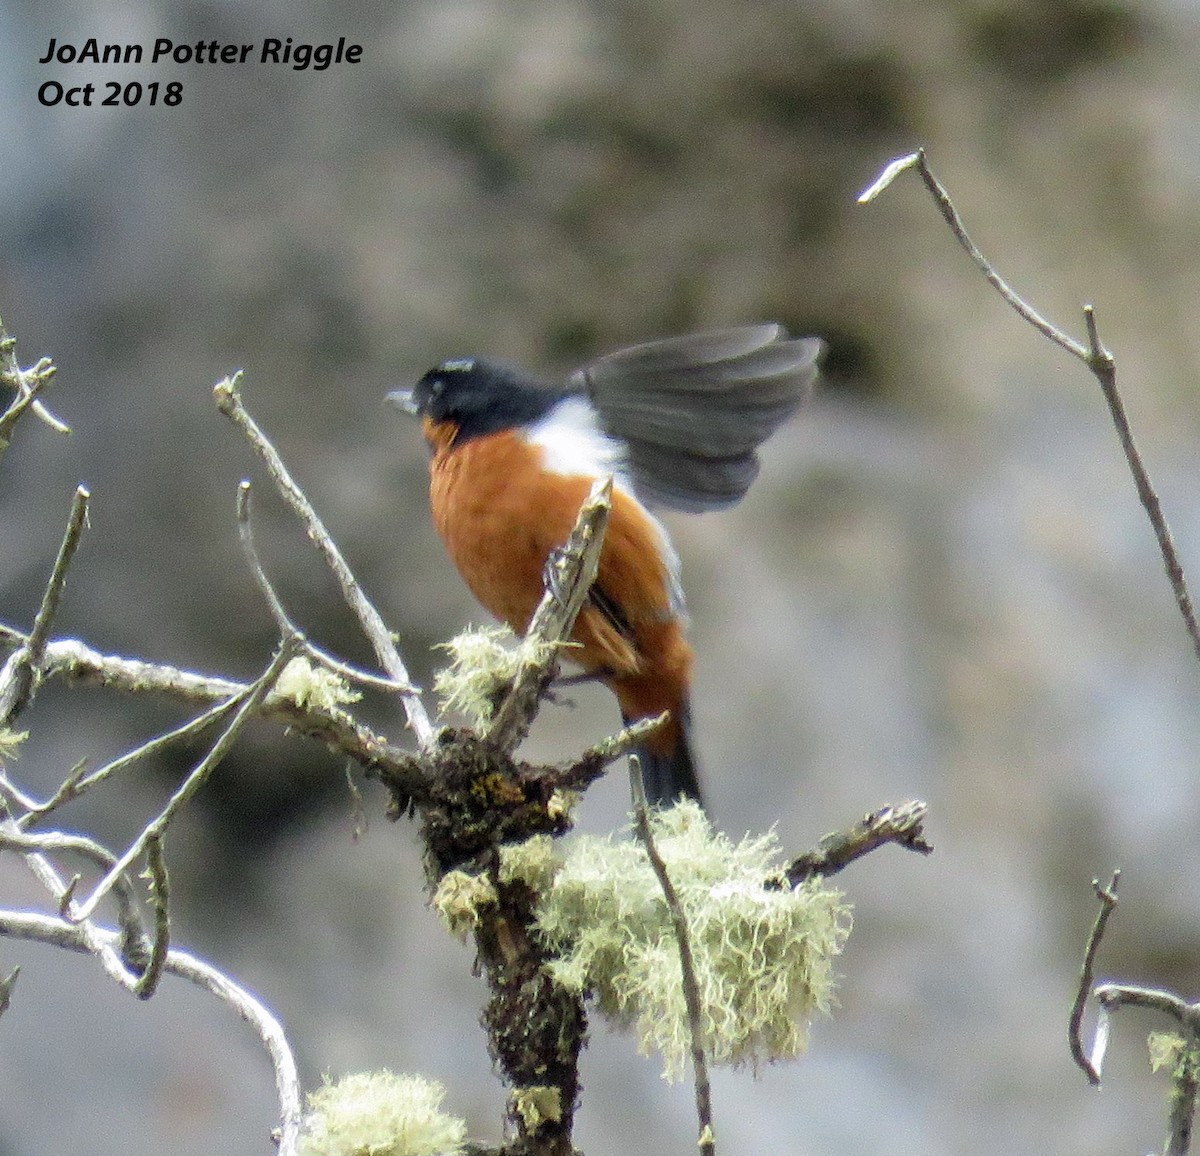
(693, 410)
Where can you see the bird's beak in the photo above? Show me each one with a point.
(403, 399)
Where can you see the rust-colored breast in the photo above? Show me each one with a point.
(500, 515)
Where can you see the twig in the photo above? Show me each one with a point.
(1185, 1075)
(1098, 360)
(901, 824)
(194, 781)
(1185, 1069)
(73, 660)
(160, 897)
(12, 636)
(50, 842)
(570, 574)
(283, 620)
(706, 1141)
(1104, 369)
(59, 932)
(116, 963)
(22, 672)
(250, 551)
(1108, 902)
(589, 766)
(79, 781)
(950, 213)
(229, 402)
(1114, 996)
(27, 383)
(6, 989)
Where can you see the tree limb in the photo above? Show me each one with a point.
(1098, 360)
(58, 932)
(229, 402)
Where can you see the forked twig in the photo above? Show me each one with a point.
(1098, 360)
(229, 402)
(1090, 1065)
(22, 672)
(194, 781)
(284, 621)
(58, 932)
(28, 384)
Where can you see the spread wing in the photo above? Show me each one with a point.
(693, 410)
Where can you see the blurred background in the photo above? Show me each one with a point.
(942, 585)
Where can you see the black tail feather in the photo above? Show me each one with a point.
(669, 777)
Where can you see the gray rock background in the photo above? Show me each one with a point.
(942, 585)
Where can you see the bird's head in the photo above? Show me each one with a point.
(472, 397)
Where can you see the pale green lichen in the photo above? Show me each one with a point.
(458, 898)
(482, 663)
(763, 958)
(10, 743)
(309, 685)
(380, 1114)
(1166, 1050)
(532, 862)
(537, 1104)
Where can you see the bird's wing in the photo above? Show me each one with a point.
(693, 410)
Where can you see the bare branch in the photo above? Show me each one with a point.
(941, 197)
(194, 781)
(229, 402)
(160, 895)
(1104, 369)
(706, 1141)
(79, 781)
(22, 672)
(587, 768)
(1185, 1062)
(250, 551)
(1185, 1074)
(6, 989)
(1114, 996)
(901, 824)
(111, 951)
(73, 660)
(570, 574)
(1093, 355)
(1108, 902)
(59, 932)
(28, 384)
(50, 842)
(284, 621)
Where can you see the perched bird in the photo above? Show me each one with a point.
(677, 423)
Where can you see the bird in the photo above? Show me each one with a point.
(676, 423)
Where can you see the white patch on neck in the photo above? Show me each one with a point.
(573, 444)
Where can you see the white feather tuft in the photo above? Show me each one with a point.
(573, 444)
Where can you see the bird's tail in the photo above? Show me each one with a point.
(668, 768)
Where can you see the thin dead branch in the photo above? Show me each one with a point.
(706, 1139)
(229, 402)
(22, 672)
(157, 827)
(59, 932)
(902, 824)
(27, 384)
(1099, 361)
(1108, 902)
